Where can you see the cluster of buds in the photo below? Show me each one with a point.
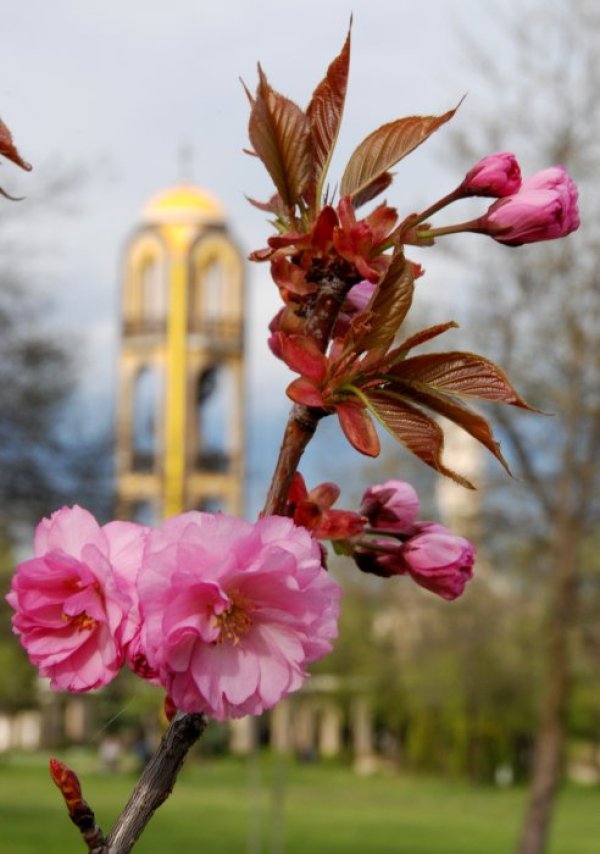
(385, 537)
(541, 207)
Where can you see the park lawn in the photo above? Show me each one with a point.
(326, 810)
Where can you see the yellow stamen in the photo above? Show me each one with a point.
(236, 620)
(81, 622)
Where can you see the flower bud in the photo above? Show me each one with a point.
(440, 561)
(545, 208)
(393, 505)
(385, 560)
(496, 175)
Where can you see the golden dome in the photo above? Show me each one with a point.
(184, 205)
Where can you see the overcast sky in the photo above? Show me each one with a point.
(118, 86)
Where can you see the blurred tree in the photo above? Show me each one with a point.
(540, 316)
(42, 465)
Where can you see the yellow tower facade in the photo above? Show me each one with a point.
(180, 415)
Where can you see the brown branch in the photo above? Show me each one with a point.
(156, 783)
(303, 420)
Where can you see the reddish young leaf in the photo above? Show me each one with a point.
(389, 306)
(325, 114)
(417, 431)
(302, 354)
(419, 338)
(339, 525)
(386, 146)
(298, 491)
(274, 205)
(461, 374)
(473, 423)
(308, 515)
(8, 148)
(305, 392)
(377, 186)
(325, 495)
(358, 428)
(280, 134)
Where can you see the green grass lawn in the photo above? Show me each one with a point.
(230, 806)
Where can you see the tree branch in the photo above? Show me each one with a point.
(303, 420)
(529, 472)
(156, 783)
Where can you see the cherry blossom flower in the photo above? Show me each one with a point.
(233, 612)
(71, 608)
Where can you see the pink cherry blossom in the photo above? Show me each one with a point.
(234, 611)
(439, 560)
(393, 505)
(496, 175)
(545, 208)
(71, 609)
(127, 543)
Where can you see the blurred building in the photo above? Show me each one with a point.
(180, 422)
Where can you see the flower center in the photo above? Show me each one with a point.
(80, 622)
(236, 620)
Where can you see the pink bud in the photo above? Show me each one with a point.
(439, 561)
(393, 505)
(545, 208)
(384, 560)
(496, 175)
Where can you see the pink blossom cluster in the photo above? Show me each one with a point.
(384, 537)
(225, 614)
(542, 207)
(398, 544)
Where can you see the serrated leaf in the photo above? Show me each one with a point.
(420, 337)
(385, 147)
(9, 150)
(471, 422)
(325, 114)
(461, 374)
(414, 429)
(280, 134)
(358, 428)
(388, 306)
(377, 186)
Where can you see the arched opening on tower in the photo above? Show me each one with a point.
(209, 298)
(153, 294)
(216, 302)
(146, 400)
(214, 413)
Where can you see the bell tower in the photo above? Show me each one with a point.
(180, 420)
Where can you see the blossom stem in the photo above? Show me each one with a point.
(303, 420)
(437, 206)
(473, 225)
(416, 219)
